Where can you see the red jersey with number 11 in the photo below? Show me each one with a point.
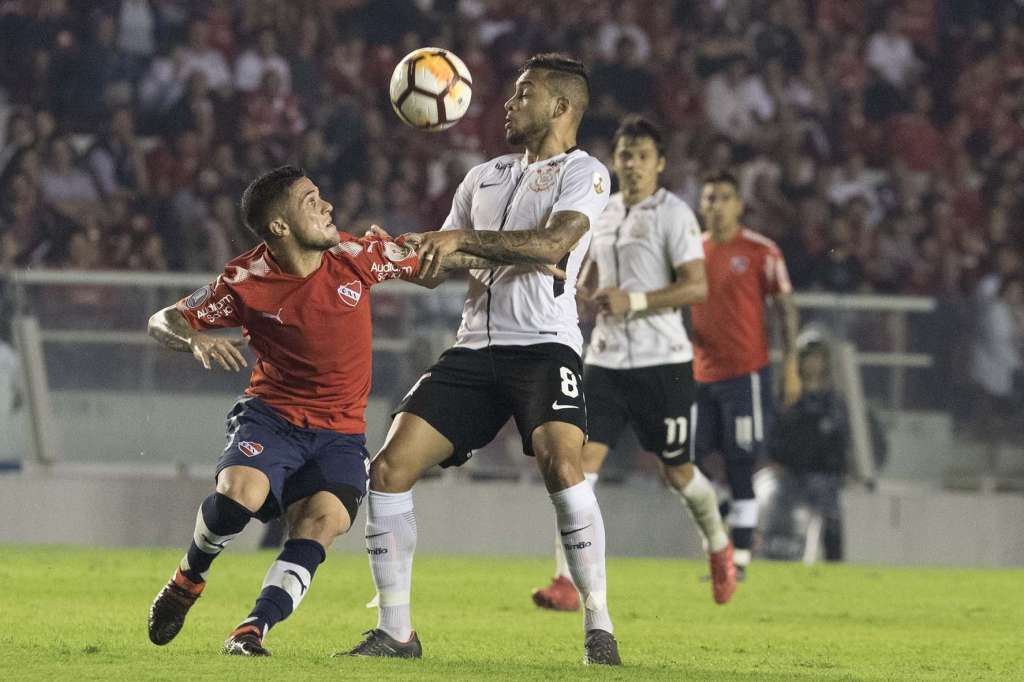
(729, 336)
(311, 335)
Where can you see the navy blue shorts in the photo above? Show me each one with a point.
(299, 462)
(731, 416)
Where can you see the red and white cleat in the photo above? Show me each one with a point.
(560, 595)
(723, 574)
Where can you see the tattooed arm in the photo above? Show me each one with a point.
(546, 246)
(171, 330)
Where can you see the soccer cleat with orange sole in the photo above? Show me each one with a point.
(560, 595)
(723, 574)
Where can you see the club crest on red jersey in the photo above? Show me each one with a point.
(198, 297)
(250, 448)
(739, 264)
(351, 292)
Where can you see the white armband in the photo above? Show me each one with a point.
(637, 301)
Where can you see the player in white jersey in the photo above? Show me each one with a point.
(647, 259)
(517, 353)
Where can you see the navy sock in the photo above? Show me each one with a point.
(219, 521)
(286, 583)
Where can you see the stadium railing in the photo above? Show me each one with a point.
(100, 392)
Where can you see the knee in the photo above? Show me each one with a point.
(388, 475)
(249, 489)
(322, 527)
(679, 476)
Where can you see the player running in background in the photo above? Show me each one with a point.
(295, 443)
(517, 352)
(648, 260)
(730, 342)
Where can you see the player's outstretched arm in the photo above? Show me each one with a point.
(690, 286)
(545, 246)
(171, 330)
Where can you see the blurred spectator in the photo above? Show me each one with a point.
(258, 60)
(116, 159)
(839, 270)
(200, 56)
(996, 361)
(891, 54)
(66, 187)
(737, 101)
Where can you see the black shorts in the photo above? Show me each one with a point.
(655, 401)
(468, 395)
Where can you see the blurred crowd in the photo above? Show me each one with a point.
(880, 142)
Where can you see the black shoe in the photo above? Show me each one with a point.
(741, 574)
(600, 648)
(168, 611)
(245, 641)
(380, 643)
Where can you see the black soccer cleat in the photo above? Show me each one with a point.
(381, 644)
(245, 641)
(741, 574)
(600, 648)
(168, 611)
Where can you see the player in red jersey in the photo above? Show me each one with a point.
(730, 344)
(296, 443)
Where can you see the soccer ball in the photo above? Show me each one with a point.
(431, 89)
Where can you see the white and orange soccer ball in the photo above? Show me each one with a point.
(431, 89)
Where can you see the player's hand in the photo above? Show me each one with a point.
(791, 385)
(225, 352)
(377, 231)
(612, 301)
(434, 247)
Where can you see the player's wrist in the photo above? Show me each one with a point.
(637, 301)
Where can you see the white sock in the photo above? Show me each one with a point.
(699, 497)
(390, 544)
(561, 567)
(581, 530)
(743, 517)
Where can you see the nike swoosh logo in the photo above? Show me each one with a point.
(376, 535)
(484, 185)
(671, 455)
(556, 406)
(577, 530)
(211, 542)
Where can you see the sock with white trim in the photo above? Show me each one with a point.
(391, 544)
(218, 521)
(581, 531)
(699, 498)
(561, 567)
(286, 584)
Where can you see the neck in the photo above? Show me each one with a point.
(552, 144)
(724, 233)
(632, 196)
(295, 260)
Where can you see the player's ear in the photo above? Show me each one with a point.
(277, 227)
(561, 107)
(661, 163)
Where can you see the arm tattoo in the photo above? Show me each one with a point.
(460, 260)
(544, 246)
(169, 328)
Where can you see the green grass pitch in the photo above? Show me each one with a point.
(70, 613)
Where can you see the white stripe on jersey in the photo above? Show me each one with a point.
(522, 304)
(637, 249)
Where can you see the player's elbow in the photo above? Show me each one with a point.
(156, 322)
(700, 292)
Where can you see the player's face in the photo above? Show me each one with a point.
(637, 164)
(309, 217)
(720, 205)
(528, 110)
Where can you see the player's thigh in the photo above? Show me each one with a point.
(453, 409)
(607, 412)
(660, 399)
(257, 459)
(543, 385)
(746, 403)
(325, 493)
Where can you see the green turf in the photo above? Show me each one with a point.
(69, 613)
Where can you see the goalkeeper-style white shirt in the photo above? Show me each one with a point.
(521, 305)
(637, 249)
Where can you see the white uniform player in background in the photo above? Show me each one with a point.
(517, 352)
(647, 258)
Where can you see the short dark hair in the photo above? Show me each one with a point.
(263, 196)
(635, 126)
(722, 177)
(569, 76)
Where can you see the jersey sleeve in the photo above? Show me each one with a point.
(461, 215)
(682, 235)
(586, 187)
(776, 276)
(376, 259)
(216, 305)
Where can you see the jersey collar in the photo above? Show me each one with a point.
(557, 157)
